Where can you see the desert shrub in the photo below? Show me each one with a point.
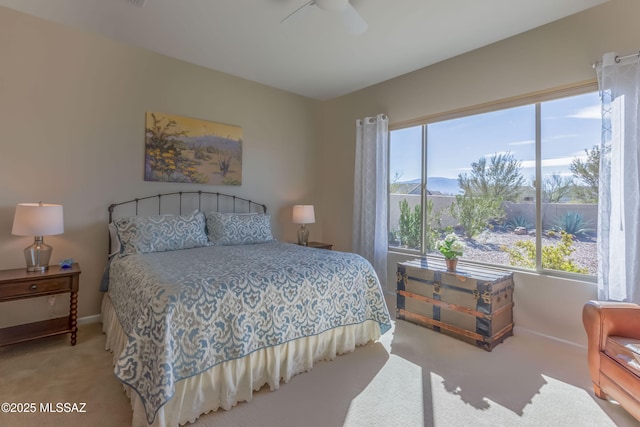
(200, 153)
(410, 225)
(230, 181)
(474, 212)
(432, 227)
(394, 237)
(573, 223)
(554, 257)
(519, 221)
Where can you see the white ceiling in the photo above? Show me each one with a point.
(311, 53)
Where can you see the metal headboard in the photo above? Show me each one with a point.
(231, 203)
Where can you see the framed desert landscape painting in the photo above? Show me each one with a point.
(183, 149)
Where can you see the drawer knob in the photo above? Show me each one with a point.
(33, 287)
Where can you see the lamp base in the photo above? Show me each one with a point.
(303, 235)
(38, 255)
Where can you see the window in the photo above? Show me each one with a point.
(519, 185)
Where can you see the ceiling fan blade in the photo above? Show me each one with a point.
(354, 22)
(309, 3)
(332, 5)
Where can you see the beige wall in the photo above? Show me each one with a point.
(72, 112)
(72, 109)
(555, 55)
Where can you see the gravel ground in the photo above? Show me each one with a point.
(487, 247)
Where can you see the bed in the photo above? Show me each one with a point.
(202, 308)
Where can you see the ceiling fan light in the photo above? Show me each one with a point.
(332, 5)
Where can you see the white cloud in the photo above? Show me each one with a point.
(581, 155)
(562, 136)
(497, 153)
(559, 161)
(592, 112)
(526, 164)
(529, 142)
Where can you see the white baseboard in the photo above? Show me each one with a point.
(518, 329)
(90, 319)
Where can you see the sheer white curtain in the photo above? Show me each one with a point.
(619, 187)
(370, 192)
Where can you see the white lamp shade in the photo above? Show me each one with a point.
(37, 219)
(303, 214)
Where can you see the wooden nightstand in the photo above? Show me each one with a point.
(19, 284)
(319, 245)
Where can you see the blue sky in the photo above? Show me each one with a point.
(569, 126)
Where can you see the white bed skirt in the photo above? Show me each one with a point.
(228, 383)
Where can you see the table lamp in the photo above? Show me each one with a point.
(37, 219)
(303, 214)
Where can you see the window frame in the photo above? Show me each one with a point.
(535, 99)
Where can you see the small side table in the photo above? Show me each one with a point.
(19, 284)
(320, 245)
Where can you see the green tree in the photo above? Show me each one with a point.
(432, 227)
(410, 225)
(555, 188)
(587, 174)
(475, 212)
(500, 179)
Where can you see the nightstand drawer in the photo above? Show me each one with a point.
(18, 284)
(34, 287)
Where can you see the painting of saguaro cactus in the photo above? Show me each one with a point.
(183, 149)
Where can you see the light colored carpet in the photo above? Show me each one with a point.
(411, 377)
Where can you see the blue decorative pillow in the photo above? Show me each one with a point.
(225, 229)
(159, 233)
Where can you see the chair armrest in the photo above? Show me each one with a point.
(603, 319)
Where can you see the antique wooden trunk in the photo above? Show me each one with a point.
(474, 303)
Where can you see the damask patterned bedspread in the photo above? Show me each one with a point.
(185, 311)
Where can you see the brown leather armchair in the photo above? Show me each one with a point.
(613, 333)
